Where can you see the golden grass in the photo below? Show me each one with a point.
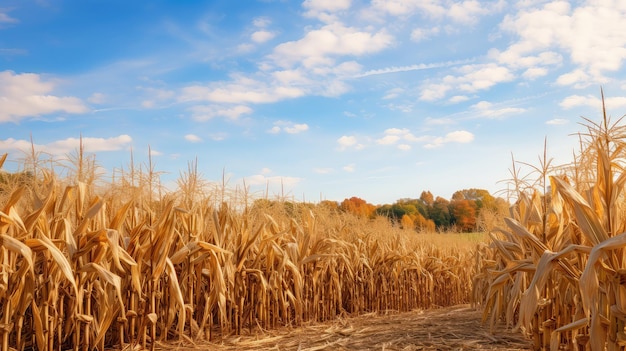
(93, 266)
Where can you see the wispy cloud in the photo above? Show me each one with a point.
(5, 18)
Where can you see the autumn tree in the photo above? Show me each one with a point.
(407, 222)
(358, 207)
(463, 214)
(423, 224)
(427, 198)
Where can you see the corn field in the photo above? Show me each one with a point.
(557, 272)
(126, 265)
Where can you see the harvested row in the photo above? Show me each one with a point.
(84, 268)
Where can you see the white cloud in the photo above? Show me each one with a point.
(535, 72)
(274, 130)
(288, 127)
(459, 136)
(395, 135)
(468, 12)
(578, 78)
(421, 34)
(319, 46)
(458, 98)
(592, 33)
(240, 90)
(347, 142)
(593, 101)
(154, 152)
(68, 145)
(431, 8)
(203, 113)
(388, 140)
(349, 168)
(557, 121)
(193, 138)
(325, 9)
(261, 36)
(481, 77)
(463, 12)
(487, 109)
(469, 79)
(27, 95)
(296, 128)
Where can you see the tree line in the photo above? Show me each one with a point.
(468, 210)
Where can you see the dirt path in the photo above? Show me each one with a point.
(453, 328)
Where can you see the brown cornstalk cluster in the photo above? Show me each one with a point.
(558, 272)
(84, 269)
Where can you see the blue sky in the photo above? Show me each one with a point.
(315, 99)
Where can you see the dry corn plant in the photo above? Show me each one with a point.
(557, 272)
(127, 265)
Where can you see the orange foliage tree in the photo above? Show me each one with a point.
(358, 207)
(463, 214)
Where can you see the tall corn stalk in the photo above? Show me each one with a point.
(85, 266)
(557, 271)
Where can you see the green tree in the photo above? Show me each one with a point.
(440, 213)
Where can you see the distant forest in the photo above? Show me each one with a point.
(469, 210)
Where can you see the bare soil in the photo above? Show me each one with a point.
(452, 328)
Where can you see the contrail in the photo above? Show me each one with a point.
(418, 67)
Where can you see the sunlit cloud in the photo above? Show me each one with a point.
(28, 95)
